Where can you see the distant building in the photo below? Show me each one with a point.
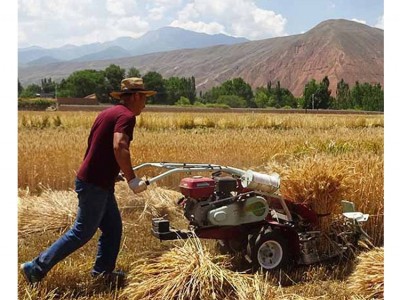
(46, 95)
(88, 100)
(91, 96)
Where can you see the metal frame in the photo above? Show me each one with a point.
(173, 167)
(187, 168)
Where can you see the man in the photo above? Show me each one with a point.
(107, 153)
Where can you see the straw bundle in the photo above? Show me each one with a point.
(155, 201)
(160, 202)
(56, 210)
(51, 211)
(367, 279)
(191, 272)
(317, 183)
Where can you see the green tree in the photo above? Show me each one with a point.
(180, 87)
(63, 89)
(274, 96)
(356, 96)
(324, 94)
(154, 81)
(343, 99)
(133, 72)
(261, 97)
(287, 98)
(183, 101)
(310, 89)
(239, 87)
(173, 88)
(82, 83)
(317, 95)
(236, 87)
(278, 94)
(190, 84)
(113, 77)
(48, 85)
(368, 97)
(232, 101)
(31, 91)
(20, 88)
(211, 95)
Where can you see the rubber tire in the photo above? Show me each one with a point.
(223, 247)
(278, 246)
(231, 246)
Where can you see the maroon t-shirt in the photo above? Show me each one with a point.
(99, 165)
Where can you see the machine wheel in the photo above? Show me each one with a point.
(270, 251)
(223, 247)
(231, 246)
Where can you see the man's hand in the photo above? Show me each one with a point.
(137, 185)
(120, 177)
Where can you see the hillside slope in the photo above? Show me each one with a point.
(336, 48)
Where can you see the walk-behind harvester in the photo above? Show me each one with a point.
(242, 211)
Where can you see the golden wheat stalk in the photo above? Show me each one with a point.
(56, 210)
(51, 211)
(155, 201)
(189, 271)
(368, 277)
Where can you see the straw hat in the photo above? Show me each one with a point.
(130, 86)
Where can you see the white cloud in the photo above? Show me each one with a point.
(209, 28)
(236, 17)
(163, 8)
(122, 7)
(129, 26)
(359, 21)
(115, 7)
(167, 3)
(380, 22)
(59, 22)
(156, 13)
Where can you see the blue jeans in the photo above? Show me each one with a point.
(97, 209)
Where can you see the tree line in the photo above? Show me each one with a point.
(231, 93)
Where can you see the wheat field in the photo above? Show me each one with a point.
(321, 159)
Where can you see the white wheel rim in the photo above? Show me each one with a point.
(270, 254)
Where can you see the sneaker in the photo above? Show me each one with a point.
(115, 277)
(29, 272)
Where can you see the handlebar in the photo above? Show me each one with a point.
(187, 168)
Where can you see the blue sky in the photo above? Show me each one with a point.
(58, 22)
(302, 15)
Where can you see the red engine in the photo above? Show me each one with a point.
(197, 187)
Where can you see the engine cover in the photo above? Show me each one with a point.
(197, 187)
(253, 209)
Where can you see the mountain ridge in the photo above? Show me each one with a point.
(162, 39)
(334, 48)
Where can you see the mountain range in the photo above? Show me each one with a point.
(163, 39)
(334, 48)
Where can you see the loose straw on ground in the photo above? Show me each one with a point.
(155, 201)
(56, 210)
(367, 279)
(191, 272)
(51, 211)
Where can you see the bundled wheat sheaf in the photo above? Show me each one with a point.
(367, 279)
(160, 202)
(154, 202)
(51, 211)
(189, 271)
(56, 210)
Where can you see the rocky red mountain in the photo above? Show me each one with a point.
(334, 48)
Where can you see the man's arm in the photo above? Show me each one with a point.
(122, 154)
